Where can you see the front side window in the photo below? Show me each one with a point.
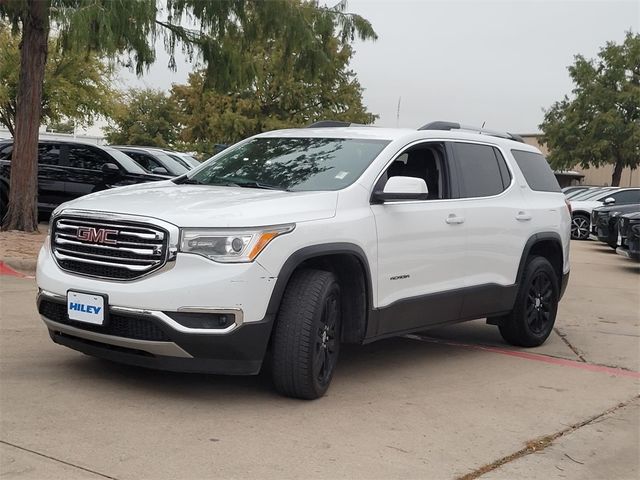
(425, 161)
(626, 196)
(295, 164)
(480, 173)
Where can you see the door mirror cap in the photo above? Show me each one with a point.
(110, 169)
(160, 171)
(609, 201)
(402, 188)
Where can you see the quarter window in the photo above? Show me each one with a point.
(536, 171)
(480, 172)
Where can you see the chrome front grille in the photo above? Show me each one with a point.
(114, 249)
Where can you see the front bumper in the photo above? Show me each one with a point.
(144, 325)
(148, 339)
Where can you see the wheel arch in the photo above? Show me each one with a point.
(349, 263)
(547, 245)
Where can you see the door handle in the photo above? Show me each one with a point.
(453, 219)
(523, 217)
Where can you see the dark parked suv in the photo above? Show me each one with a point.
(630, 236)
(604, 222)
(68, 170)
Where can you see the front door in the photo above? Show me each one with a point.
(421, 245)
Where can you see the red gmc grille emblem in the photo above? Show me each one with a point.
(96, 235)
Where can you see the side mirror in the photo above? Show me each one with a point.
(160, 171)
(110, 169)
(609, 201)
(402, 188)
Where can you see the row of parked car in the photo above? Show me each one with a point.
(68, 170)
(608, 214)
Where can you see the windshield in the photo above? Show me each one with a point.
(590, 195)
(295, 164)
(171, 164)
(126, 161)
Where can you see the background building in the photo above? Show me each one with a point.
(586, 176)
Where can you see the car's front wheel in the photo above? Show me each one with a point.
(580, 227)
(306, 340)
(534, 314)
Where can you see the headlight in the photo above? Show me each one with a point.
(229, 245)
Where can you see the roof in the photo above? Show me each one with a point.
(392, 134)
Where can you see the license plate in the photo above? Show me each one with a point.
(85, 307)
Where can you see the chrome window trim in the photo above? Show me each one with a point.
(170, 322)
(441, 140)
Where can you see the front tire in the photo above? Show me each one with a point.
(580, 227)
(306, 340)
(534, 314)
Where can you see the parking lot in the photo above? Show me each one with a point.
(448, 403)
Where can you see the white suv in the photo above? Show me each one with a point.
(292, 242)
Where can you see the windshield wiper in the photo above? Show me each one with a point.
(187, 181)
(253, 184)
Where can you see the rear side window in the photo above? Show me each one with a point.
(536, 171)
(5, 152)
(480, 172)
(86, 157)
(49, 154)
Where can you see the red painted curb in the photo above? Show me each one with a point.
(7, 270)
(617, 372)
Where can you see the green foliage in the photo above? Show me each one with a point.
(280, 96)
(600, 124)
(64, 126)
(77, 86)
(143, 117)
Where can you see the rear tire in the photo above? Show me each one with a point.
(534, 314)
(580, 227)
(306, 340)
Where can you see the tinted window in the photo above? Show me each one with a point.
(117, 157)
(479, 170)
(626, 196)
(48, 154)
(5, 152)
(504, 171)
(86, 157)
(536, 171)
(299, 164)
(145, 161)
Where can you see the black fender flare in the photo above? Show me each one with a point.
(536, 238)
(313, 251)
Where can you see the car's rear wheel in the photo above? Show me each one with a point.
(534, 314)
(306, 340)
(580, 227)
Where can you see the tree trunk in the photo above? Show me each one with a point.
(617, 174)
(22, 212)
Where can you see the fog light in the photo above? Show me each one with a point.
(211, 321)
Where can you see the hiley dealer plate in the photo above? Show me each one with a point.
(85, 307)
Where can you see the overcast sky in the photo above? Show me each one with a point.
(499, 62)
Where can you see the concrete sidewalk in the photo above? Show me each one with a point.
(401, 408)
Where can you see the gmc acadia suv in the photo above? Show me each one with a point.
(292, 242)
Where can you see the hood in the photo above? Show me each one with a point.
(587, 205)
(628, 208)
(211, 206)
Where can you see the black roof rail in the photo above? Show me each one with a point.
(332, 123)
(440, 125)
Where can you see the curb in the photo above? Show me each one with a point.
(17, 266)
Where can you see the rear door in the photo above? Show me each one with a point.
(84, 166)
(496, 226)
